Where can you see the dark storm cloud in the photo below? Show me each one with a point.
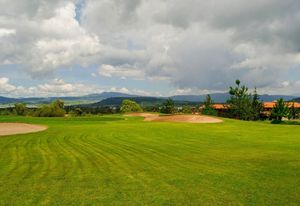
(193, 43)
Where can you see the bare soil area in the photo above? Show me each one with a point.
(177, 118)
(19, 128)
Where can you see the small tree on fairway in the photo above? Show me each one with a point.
(280, 110)
(240, 102)
(130, 106)
(208, 106)
(168, 106)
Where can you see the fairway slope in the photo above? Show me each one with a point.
(176, 118)
(115, 160)
(19, 128)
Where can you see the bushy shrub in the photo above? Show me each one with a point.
(154, 108)
(280, 110)
(275, 121)
(168, 107)
(130, 106)
(5, 111)
(77, 112)
(20, 109)
(187, 110)
(56, 109)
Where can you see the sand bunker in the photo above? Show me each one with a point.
(19, 128)
(176, 118)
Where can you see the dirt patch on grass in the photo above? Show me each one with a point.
(19, 128)
(176, 118)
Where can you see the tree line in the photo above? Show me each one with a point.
(245, 105)
(55, 109)
(242, 105)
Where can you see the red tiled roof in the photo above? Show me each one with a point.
(220, 106)
(217, 106)
(270, 105)
(266, 105)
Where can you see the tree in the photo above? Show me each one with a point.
(58, 104)
(130, 106)
(77, 112)
(5, 111)
(168, 107)
(280, 110)
(208, 106)
(151, 108)
(257, 106)
(293, 112)
(56, 109)
(240, 102)
(20, 109)
(187, 109)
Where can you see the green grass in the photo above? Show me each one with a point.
(293, 122)
(115, 160)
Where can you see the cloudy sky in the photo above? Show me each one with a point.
(157, 47)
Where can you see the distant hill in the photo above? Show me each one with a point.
(91, 98)
(297, 99)
(270, 98)
(217, 97)
(105, 95)
(7, 100)
(116, 101)
(223, 97)
(97, 98)
(143, 101)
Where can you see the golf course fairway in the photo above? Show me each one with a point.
(117, 160)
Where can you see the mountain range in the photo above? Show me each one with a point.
(143, 101)
(86, 99)
(223, 97)
(94, 98)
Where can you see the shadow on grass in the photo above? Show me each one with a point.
(290, 122)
